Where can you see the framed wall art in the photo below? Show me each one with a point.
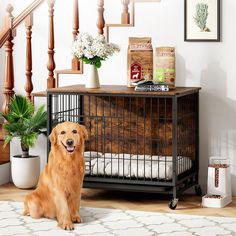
(202, 20)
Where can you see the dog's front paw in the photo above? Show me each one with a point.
(26, 213)
(66, 225)
(76, 219)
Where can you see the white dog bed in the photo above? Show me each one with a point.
(138, 166)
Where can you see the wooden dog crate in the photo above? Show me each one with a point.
(138, 141)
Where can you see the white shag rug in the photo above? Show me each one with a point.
(109, 222)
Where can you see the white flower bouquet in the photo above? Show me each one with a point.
(93, 50)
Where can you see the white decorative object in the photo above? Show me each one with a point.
(25, 171)
(93, 79)
(219, 192)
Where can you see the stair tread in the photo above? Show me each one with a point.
(119, 25)
(134, 1)
(39, 94)
(68, 71)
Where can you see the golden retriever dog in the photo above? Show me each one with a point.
(59, 188)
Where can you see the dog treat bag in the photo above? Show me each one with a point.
(140, 59)
(165, 66)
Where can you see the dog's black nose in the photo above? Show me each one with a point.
(69, 142)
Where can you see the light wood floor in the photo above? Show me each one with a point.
(188, 204)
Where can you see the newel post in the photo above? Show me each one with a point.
(8, 87)
(51, 63)
(28, 66)
(125, 16)
(100, 20)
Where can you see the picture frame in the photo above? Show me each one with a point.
(202, 20)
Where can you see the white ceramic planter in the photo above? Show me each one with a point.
(25, 171)
(93, 79)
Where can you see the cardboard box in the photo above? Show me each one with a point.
(140, 60)
(165, 66)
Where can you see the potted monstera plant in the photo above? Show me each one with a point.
(25, 123)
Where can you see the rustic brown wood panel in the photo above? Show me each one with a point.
(129, 124)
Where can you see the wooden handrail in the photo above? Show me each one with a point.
(4, 36)
(6, 33)
(24, 14)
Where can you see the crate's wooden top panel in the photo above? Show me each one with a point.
(121, 90)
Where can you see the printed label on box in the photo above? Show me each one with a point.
(136, 72)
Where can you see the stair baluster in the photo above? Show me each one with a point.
(8, 89)
(76, 64)
(100, 20)
(75, 19)
(125, 16)
(51, 63)
(28, 67)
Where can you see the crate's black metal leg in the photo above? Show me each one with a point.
(173, 203)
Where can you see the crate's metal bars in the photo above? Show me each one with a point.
(158, 135)
(90, 128)
(104, 133)
(137, 125)
(123, 139)
(151, 130)
(110, 106)
(165, 136)
(118, 136)
(174, 143)
(49, 123)
(144, 136)
(130, 126)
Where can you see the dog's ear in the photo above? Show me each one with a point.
(53, 136)
(83, 132)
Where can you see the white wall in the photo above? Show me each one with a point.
(208, 65)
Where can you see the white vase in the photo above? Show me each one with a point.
(25, 171)
(93, 79)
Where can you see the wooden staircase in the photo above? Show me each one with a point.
(9, 32)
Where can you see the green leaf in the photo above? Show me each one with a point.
(20, 107)
(23, 121)
(8, 138)
(29, 140)
(98, 64)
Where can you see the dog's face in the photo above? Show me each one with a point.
(68, 136)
